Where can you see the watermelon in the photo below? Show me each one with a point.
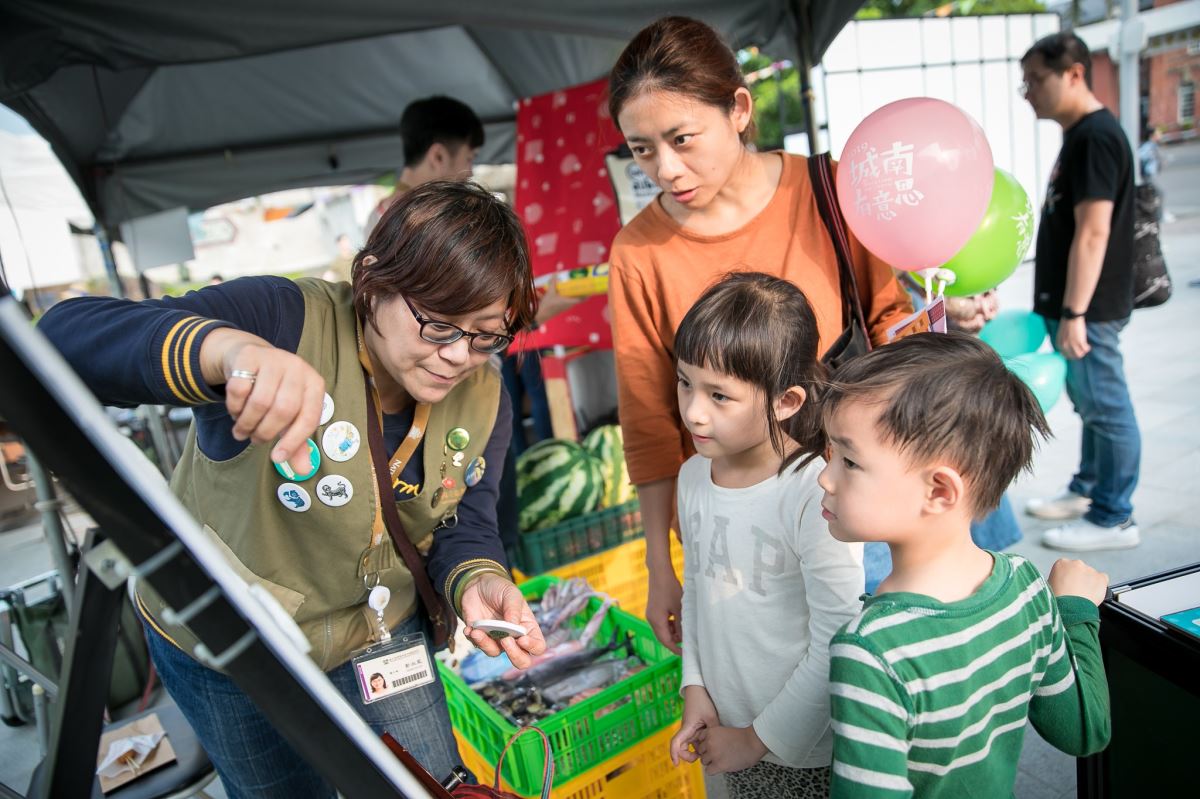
(556, 480)
(606, 445)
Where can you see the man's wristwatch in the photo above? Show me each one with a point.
(1067, 313)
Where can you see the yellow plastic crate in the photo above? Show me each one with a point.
(644, 771)
(619, 572)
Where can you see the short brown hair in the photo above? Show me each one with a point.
(451, 247)
(761, 329)
(948, 395)
(682, 56)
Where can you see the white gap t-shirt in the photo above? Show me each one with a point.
(765, 588)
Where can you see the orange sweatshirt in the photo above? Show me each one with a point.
(659, 269)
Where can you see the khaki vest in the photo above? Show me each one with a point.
(320, 563)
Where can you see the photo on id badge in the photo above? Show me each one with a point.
(394, 667)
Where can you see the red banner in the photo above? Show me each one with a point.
(565, 199)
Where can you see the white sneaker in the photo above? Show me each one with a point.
(1083, 536)
(1067, 505)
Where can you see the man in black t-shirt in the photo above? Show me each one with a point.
(1083, 287)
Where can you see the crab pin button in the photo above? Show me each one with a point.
(458, 439)
(293, 497)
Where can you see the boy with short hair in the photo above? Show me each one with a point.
(933, 682)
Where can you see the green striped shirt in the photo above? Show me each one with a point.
(931, 698)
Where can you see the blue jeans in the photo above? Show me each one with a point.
(253, 760)
(1112, 445)
(996, 531)
(520, 382)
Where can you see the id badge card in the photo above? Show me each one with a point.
(393, 667)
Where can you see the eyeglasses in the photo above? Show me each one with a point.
(1034, 80)
(441, 333)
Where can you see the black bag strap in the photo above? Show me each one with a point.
(820, 171)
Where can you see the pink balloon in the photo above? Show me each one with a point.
(914, 181)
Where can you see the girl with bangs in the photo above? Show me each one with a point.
(765, 585)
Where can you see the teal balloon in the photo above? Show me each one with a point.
(1044, 372)
(999, 243)
(1014, 332)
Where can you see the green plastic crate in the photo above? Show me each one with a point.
(588, 733)
(542, 550)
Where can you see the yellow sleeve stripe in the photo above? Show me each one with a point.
(177, 363)
(187, 360)
(486, 564)
(166, 360)
(180, 357)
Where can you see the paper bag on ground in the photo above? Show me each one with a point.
(130, 750)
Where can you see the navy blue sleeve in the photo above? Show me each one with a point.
(130, 353)
(477, 534)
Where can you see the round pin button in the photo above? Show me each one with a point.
(314, 459)
(334, 490)
(448, 483)
(458, 439)
(475, 471)
(293, 497)
(326, 408)
(341, 441)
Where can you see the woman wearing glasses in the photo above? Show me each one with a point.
(291, 381)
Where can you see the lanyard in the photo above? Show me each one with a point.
(407, 446)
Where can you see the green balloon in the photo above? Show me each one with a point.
(1044, 372)
(1014, 332)
(999, 243)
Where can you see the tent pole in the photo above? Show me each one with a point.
(1131, 39)
(804, 69)
(110, 263)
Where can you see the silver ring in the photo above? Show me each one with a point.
(244, 374)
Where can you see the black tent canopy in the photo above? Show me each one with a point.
(155, 105)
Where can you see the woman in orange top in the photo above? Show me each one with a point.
(678, 96)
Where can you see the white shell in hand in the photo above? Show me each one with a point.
(499, 628)
(378, 598)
